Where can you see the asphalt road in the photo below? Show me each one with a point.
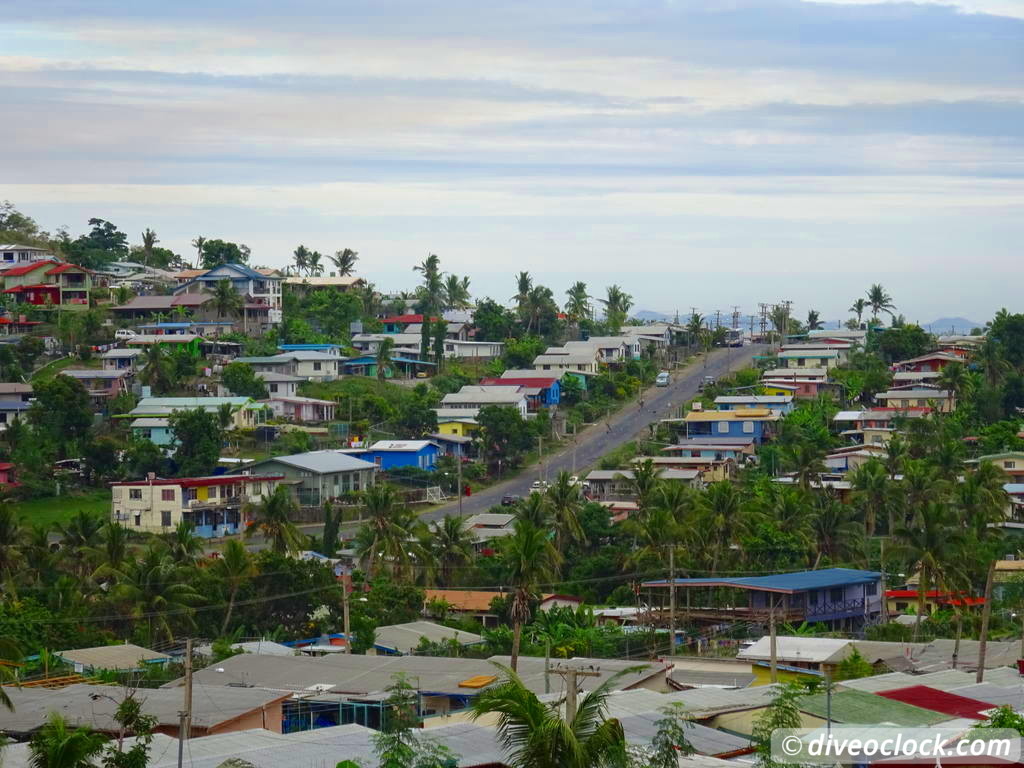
(595, 441)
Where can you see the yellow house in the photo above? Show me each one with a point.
(457, 427)
(770, 388)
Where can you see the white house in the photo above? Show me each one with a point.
(578, 362)
(473, 398)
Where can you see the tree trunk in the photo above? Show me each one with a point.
(517, 633)
(231, 607)
(921, 589)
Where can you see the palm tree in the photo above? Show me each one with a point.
(982, 501)
(451, 547)
(990, 358)
(149, 240)
(524, 284)
(779, 317)
(644, 484)
(114, 550)
(836, 532)
(578, 308)
(858, 309)
(535, 734)
(226, 300)
(879, 301)
(617, 304)
(873, 493)
(9, 652)
(234, 569)
(58, 745)
(805, 460)
(315, 264)
(272, 518)
(813, 320)
(155, 588)
(935, 547)
(565, 501)
(345, 261)
(388, 532)
(183, 544)
(431, 292)
(718, 514)
(80, 536)
(157, 369)
(920, 485)
(11, 537)
(198, 244)
(301, 259)
(955, 378)
(383, 362)
(529, 559)
(456, 292)
(535, 509)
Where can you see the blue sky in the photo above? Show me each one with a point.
(700, 154)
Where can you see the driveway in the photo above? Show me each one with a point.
(597, 440)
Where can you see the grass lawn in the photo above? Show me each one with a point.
(58, 509)
(50, 370)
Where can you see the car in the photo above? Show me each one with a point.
(510, 500)
(421, 375)
(538, 486)
(663, 379)
(124, 333)
(707, 381)
(573, 480)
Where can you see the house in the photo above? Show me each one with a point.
(301, 409)
(48, 284)
(840, 335)
(615, 484)
(756, 423)
(483, 350)
(283, 384)
(809, 382)
(118, 359)
(486, 526)
(809, 358)
(541, 391)
(905, 600)
(399, 323)
(842, 349)
(575, 362)
(122, 657)
(709, 470)
(156, 430)
(459, 446)
(607, 349)
(214, 505)
(1011, 462)
(11, 410)
(15, 390)
(933, 361)
(407, 343)
(877, 426)
(819, 655)
(14, 255)
(404, 639)
(327, 349)
(781, 403)
(944, 401)
(317, 476)
(8, 475)
(246, 413)
(476, 603)
(308, 365)
(914, 378)
(101, 384)
(453, 331)
(195, 306)
(256, 287)
(367, 366)
(779, 389)
(186, 341)
(712, 447)
(961, 346)
(837, 597)
(391, 454)
(843, 461)
(457, 422)
(477, 397)
(302, 286)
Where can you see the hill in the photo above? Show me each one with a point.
(953, 325)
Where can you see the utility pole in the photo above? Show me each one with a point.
(345, 583)
(570, 674)
(458, 461)
(547, 666)
(188, 688)
(540, 457)
(986, 613)
(672, 600)
(773, 650)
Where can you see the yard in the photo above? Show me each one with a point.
(59, 509)
(54, 367)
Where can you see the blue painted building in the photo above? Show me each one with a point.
(329, 349)
(838, 597)
(781, 403)
(156, 430)
(392, 454)
(757, 424)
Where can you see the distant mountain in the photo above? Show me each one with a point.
(648, 316)
(959, 325)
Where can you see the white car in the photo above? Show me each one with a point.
(124, 333)
(538, 486)
(573, 480)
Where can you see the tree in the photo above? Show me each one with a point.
(130, 720)
(783, 712)
(197, 437)
(384, 362)
(397, 745)
(233, 569)
(536, 735)
(301, 256)
(616, 307)
(28, 350)
(387, 532)
(566, 501)
(183, 545)
(529, 559)
(493, 322)
(315, 265)
(440, 336)
(805, 460)
(345, 261)
(578, 308)
(504, 434)
(956, 379)
(157, 370)
(879, 301)
(813, 320)
(524, 284)
(272, 518)
(717, 511)
(217, 252)
(226, 300)
(61, 410)
(149, 240)
(451, 547)
(670, 740)
(241, 379)
(198, 244)
(58, 745)
(853, 667)
(858, 309)
(431, 292)
(456, 292)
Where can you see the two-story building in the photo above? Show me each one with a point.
(214, 505)
(475, 397)
(102, 385)
(49, 284)
(15, 390)
(317, 476)
(460, 349)
(308, 365)
(576, 362)
(713, 447)
(301, 409)
(616, 484)
(119, 359)
(1011, 462)
(280, 384)
(246, 413)
(14, 255)
(944, 401)
(260, 290)
(809, 382)
(932, 361)
(391, 454)
(756, 423)
(155, 429)
(540, 391)
(195, 306)
(781, 403)
(809, 358)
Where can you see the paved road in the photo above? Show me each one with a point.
(597, 440)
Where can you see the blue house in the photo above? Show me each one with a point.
(714, 448)
(757, 424)
(838, 597)
(156, 430)
(328, 349)
(782, 403)
(391, 454)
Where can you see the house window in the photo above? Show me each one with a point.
(167, 494)
(317, 366)
(800, 362)
(835, 595)
(1010, 464)
(165, 518)
(134, 493)
(138, 518)
(872, 589)
(723, 427)
(273, 387)
(748, 427)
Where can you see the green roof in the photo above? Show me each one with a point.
(864, 708)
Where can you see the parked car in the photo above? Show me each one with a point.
(707, 381)
(124, 333)
(574, 480)
(663, 379)
(538, 486)
(510, 500)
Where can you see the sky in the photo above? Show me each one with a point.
(699, 154)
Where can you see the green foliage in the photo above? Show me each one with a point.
(519, 353)
(241, 380)
(494, 322)
(217, 252)
(398, 745)
(783, 712)
(197, 436)
(61, 413)
(853, 667)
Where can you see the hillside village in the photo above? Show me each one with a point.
(258, 503)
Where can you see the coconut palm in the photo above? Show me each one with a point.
(431, 292)
(79, 537)
(982, 501)
(779, 317)
(450, 545)
(813, 320)
(113, 550)
(565, 501)
(990, 358)
(11, 653)
(529, 559)
(149, 240)
(233, 569)
(617, 304)
(11, 539)
(272, 518)
(880, 301)
(858, 309)
(383, 362)
(805, 460)
(535, 735)
(535, 509)
(643, 484)
(157, 371)
(58, 745)
(578, 308)
(920, 485)
(524, 284)
(456, 292)
(837, 534)
(933, 547)
(956, 379)
(388, 531)
(873, 493)
(315, 264)
(184, 547)
(718, 514)
(301, 259)
(345, 261)
(226, 300)
(198, 244)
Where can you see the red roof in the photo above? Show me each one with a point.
(6, 466)
(65, 267)
(540, 381)
(200, 482)
(36, 286)
(8, 321)
(939, 701)
(408, 319)
(24, 270)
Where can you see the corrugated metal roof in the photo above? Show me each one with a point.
(938, 701)
(997, 695)
(404, 638)
(816, 650)
(318, 461)
(863, 708)
(122, 656)
(787, 582)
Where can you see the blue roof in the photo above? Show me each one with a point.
(802, 581)
(370, 360)
(295, 347)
